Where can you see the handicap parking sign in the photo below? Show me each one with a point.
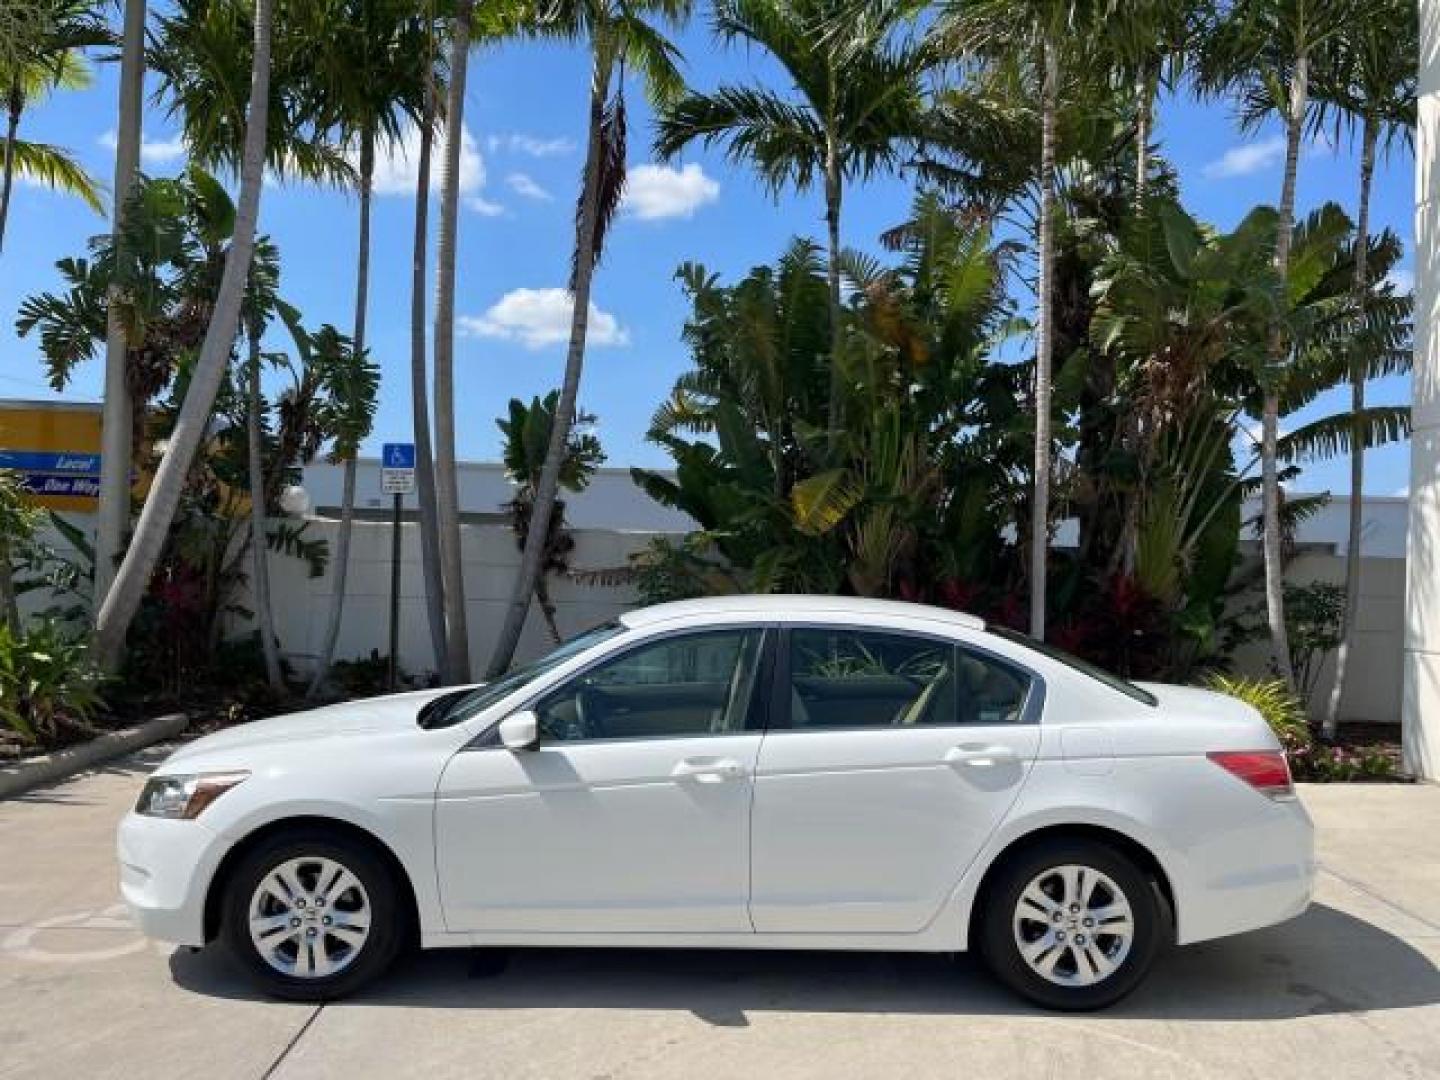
(399, 455)
(397, 468)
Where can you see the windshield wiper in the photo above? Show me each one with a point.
(435, 713)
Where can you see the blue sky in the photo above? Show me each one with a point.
(525, 113)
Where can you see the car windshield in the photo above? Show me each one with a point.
(1129, 689)
(459, 705)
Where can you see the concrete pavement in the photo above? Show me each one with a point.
(1350, 989)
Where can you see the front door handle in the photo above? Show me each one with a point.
(708, 770)
(981, 756)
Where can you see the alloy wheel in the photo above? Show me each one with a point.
(1073, 925)
(309, 918)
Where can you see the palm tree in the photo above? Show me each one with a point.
(456, 668)
(419, 377)
(123, 599)
(1263, 51)
(46, 56)
(526, 432)
(117, 422)
(858, 102)
(618, 35)
(1148, 42)
(1368, 80)
(1037, 41)
(369, 80)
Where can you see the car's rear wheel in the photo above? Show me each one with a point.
(1072, 924)
(312, 916)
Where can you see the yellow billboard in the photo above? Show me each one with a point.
(55, 447)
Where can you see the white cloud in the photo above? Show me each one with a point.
(539, 317)
(397, 166)
(1247, 159)
(484, 206)
(522, 184)
(152, 151)
(656, 192)
(530, 144)
(1401, 492)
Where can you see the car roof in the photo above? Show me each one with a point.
(796, 608)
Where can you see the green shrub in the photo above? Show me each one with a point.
(47, 681)
(1309, 760)
(1281, 709)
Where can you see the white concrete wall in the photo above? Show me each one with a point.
(1373, 687)
(491, 560)
(612, 501)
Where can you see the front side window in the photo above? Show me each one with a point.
(691, 684)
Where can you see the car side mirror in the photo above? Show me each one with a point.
(520, 731)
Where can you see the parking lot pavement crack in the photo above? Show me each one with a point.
(1360, 886)
(294, 1040)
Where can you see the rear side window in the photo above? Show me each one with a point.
(840, 678)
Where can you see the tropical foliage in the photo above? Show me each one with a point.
(1049, 400)
(924, 492)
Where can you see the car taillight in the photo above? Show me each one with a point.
(1265, 770)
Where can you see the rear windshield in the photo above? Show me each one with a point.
(1129, 689)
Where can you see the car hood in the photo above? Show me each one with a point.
(394, 712)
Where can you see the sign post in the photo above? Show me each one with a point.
(397, 478)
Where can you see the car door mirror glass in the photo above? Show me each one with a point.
(520, 731)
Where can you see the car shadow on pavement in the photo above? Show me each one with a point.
(1326, 961)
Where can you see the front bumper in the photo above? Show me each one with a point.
(165, 870)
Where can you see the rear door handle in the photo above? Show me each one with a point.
(707, 770)
(980, 756)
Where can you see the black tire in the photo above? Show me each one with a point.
(997, 940)
(387, 923)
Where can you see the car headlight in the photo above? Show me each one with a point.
(184, 796)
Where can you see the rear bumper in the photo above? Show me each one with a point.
(1247, 882)
(165, 870)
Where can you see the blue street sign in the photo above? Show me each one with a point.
(398, 455)
(41, 484)
(40, 461)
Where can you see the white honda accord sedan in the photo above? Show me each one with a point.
(756, 772)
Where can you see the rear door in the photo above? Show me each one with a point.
(890, 760)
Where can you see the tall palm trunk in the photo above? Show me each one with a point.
(123, 599)
(1144, 122)
(420, 395)
(1040, 501)
(447, 500)
(14, 106)
(1359, 290)
(832, 272)
(259, 560)
(347, 493)
(533, 556)
(117, 425)
(1270, 417)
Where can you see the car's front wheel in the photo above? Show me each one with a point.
(312, 916)
(1072, 924)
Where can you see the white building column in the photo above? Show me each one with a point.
(1421, 712)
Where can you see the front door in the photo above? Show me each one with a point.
(893, 759)
(634, 812)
